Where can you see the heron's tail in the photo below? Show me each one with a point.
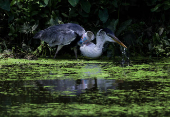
(38, 35)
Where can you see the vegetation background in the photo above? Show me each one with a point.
(142, 25)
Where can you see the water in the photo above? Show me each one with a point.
(125, 58)
(83, 88)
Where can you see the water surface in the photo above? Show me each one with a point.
(84, 88)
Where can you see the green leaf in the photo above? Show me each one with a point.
(166, 42)
(73, 2)
(84, 14)
(65, 15)
(46, 2)
(51, 22)
(12, 30)
(34, 27)
(11, 17)
(125, 4)
(13, 2)
(157, 36)
(72, 12)
(116, 23)
(166, 7)
(115, 3)
(166, 2)
(34, 13)
(151, 2)
(113, 24)
(54, 21)
(103, 15)
(123, 26)
(5, 4)
(156, 39)
(85, 5)
(156, 8)
(44, 15)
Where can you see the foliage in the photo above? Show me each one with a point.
(5, 4)
(161, 44)
(26, 17)
(162, 5)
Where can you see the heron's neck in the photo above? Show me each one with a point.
(100, 42)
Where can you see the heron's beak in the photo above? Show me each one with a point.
(117, 40)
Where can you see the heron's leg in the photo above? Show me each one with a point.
(58, 48)
(75, 51)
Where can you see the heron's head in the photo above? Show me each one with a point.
(108, 35)
(86, 37)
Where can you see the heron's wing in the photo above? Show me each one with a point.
(62, 34)
(55, 36)
(76, 28)
(62, 37)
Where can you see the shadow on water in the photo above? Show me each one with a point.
(85, 88)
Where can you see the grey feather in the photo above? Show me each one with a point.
(62, 34)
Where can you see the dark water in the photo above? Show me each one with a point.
(84, 90)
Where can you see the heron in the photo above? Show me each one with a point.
(64, 34)
(91, 50)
